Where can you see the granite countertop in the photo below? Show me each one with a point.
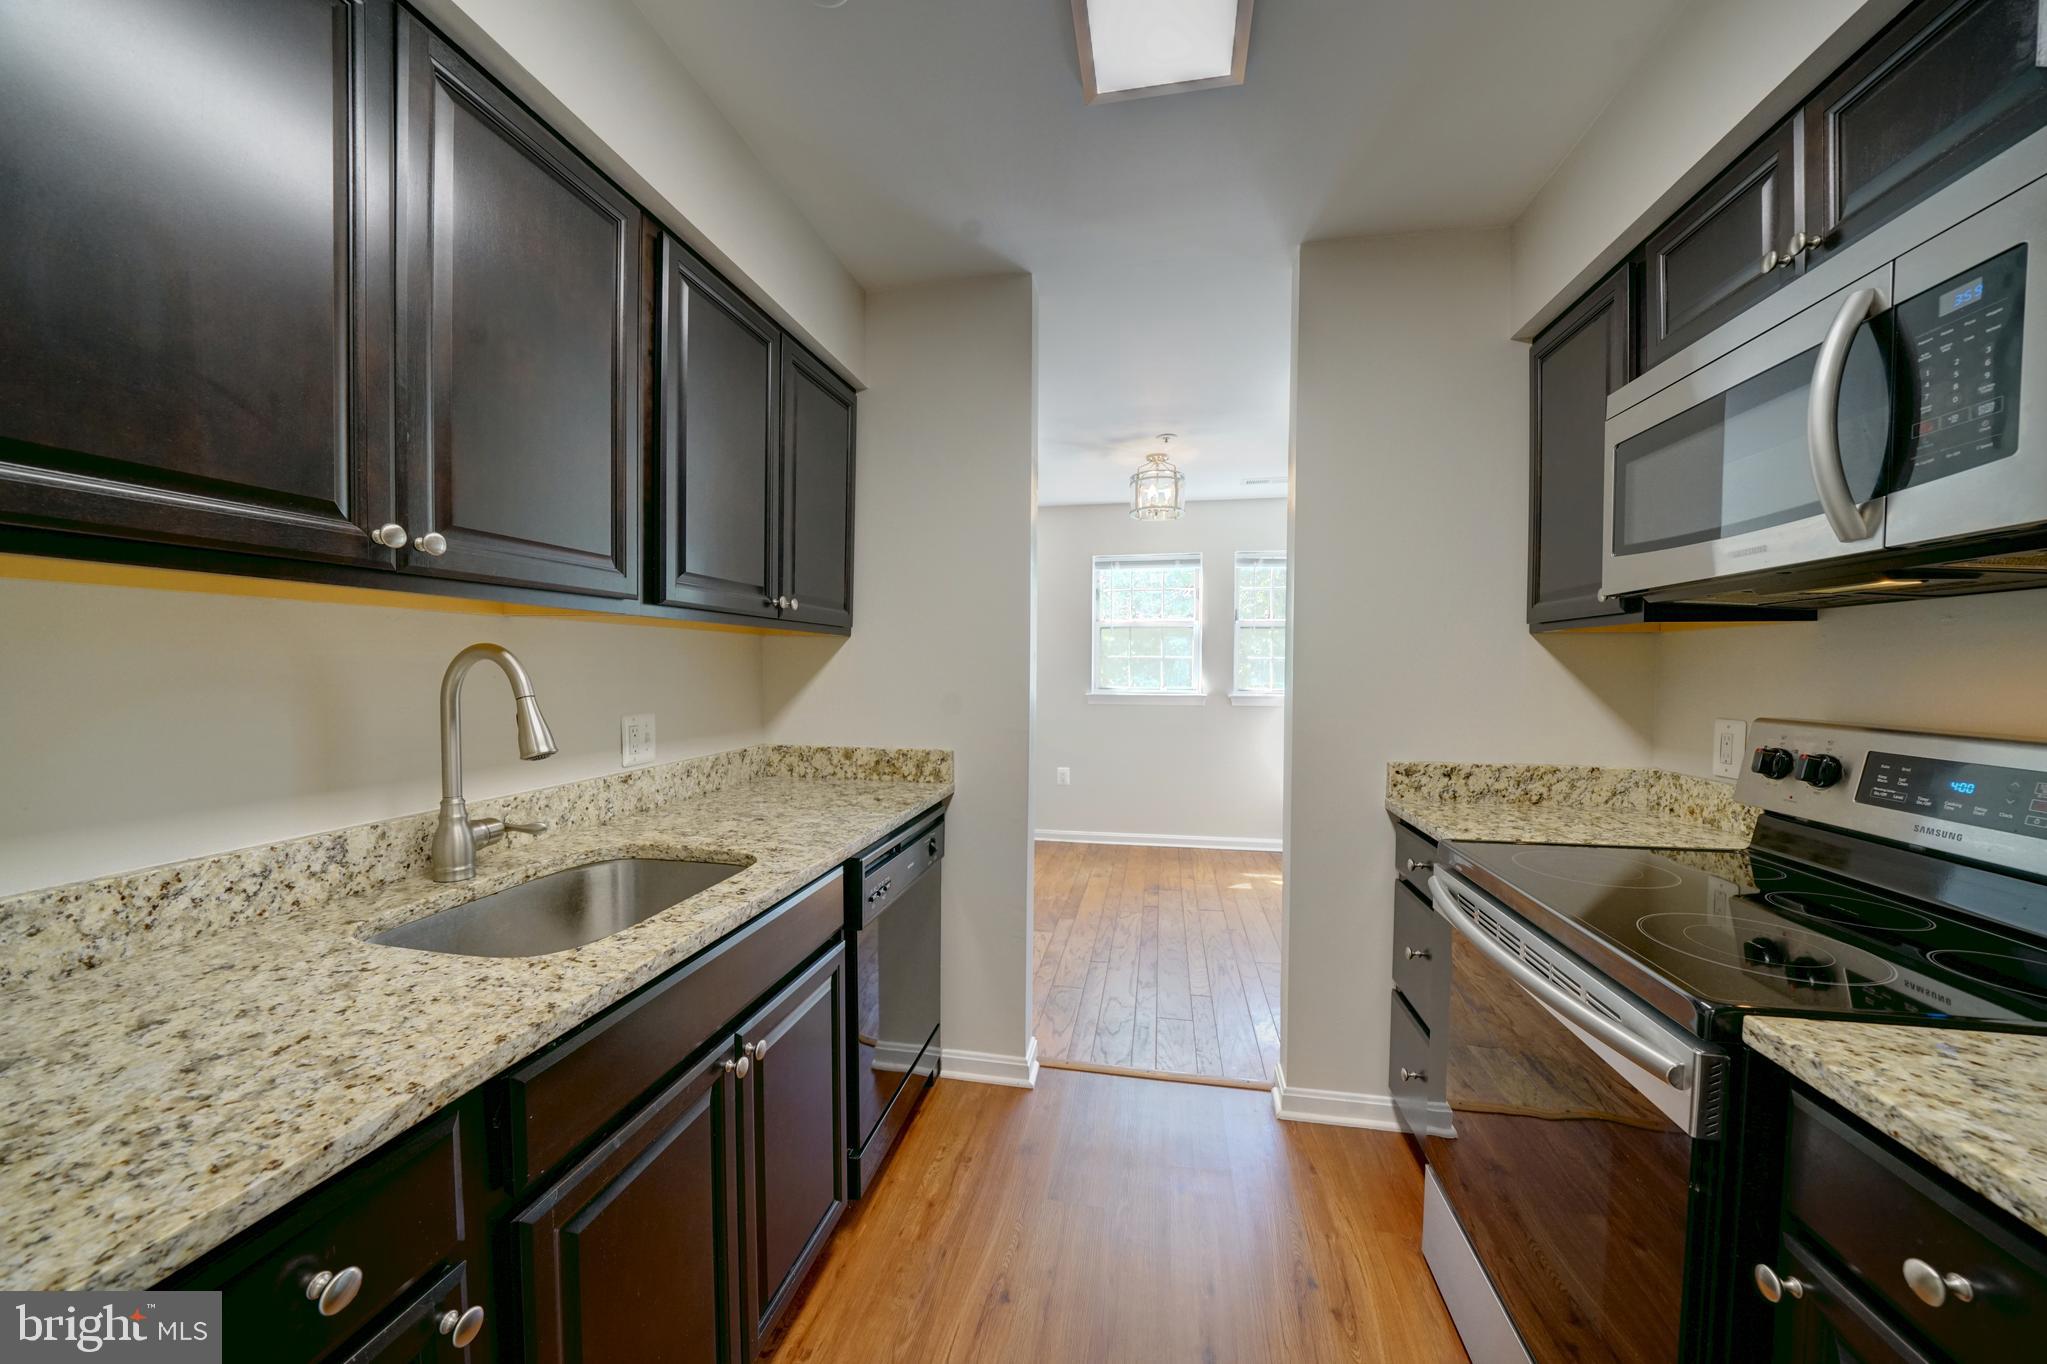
(1971, 1103)
(153, 1107)
(1618, 807)
(1508, 821)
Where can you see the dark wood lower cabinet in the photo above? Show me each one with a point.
(794, 1174)
(635, 1253)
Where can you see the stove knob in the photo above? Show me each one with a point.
(1819, 770)
(1774, 763)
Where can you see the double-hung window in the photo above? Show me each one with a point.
(1147, 625)
(1260, 653)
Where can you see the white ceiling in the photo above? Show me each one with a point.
(937, 138)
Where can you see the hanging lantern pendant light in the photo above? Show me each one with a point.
(1155, 489)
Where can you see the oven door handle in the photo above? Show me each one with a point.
(1673, 1071)
(1851, 521)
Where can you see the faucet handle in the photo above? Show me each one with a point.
(485, 832)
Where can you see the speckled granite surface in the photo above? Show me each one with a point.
(158, 1103)
(1544, 803)
(77, 927)
(1971, 1103)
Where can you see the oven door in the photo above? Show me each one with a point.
(1576, 1119)
(1717, 475)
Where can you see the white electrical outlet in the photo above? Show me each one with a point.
(1066, 776)
(635, 740)
(1729, 738)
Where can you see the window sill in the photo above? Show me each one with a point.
(1147, 698)
(1257, 698)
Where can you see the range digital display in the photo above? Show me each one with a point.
(2010, 799)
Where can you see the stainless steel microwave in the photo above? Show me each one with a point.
(1872, 431)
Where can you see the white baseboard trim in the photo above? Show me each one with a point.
(1333, 1106)
(991, 1068)
(1161, 840)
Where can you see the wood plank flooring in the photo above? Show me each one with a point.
(1106, 1218)
(1158, 959)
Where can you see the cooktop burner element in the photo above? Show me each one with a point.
(1855, 911)
(1607, 868)
(2021, 970)
(1757, 947)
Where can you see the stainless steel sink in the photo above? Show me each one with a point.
(555, 913)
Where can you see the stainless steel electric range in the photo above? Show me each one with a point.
(1580, 1187)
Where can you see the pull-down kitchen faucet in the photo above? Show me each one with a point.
(457, 836)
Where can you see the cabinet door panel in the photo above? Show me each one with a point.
(520, 402)
(795, 1134)
(1945, 88)
(634, 1253)
(720, 465)
(1707, 263)
(194, 322)
(1581, 358)
(817, 472)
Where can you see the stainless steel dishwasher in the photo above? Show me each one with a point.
(892, 949)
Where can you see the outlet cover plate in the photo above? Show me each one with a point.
(1730, 737)
(635, 740)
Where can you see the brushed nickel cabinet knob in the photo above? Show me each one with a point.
(1934, 1288)
(433, 542)
(1413, 1075)
(333, 1292)
(1777, 1289)
(460, 1327)
(1414, 953)
(390, 535)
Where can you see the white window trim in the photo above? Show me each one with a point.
(1096, 694)
(1277, 695)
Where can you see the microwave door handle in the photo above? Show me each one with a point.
(1673, 1071)
(1850, 520)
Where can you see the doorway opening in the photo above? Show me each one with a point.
(1158, 757)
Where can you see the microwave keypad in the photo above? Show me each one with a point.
(1959, 344)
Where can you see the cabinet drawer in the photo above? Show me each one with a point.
(1421, 955)
(393, 1221)
(1874, 1210)
(566, 1096)
(1414, 856)
(1410, 1077)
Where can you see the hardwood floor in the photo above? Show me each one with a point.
(1158, 959)
(1106, 1218)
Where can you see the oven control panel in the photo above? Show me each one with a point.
(1958, 351)
(1984, 800)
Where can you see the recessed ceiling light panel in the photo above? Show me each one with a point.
(1133, 48)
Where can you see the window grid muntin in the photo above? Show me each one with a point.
(1146, 630)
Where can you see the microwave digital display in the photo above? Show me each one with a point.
(1972, 292)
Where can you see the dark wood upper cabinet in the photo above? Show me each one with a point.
(793, 1105)
(519, 356)
(719, 472)
(1574, 364)
(636, 1252)
(817, 495)
(195, 317)
(1714, 258)
(1943, 89)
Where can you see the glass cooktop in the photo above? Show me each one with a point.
(1738, 931)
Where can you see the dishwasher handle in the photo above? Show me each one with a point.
(1673, 1071)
